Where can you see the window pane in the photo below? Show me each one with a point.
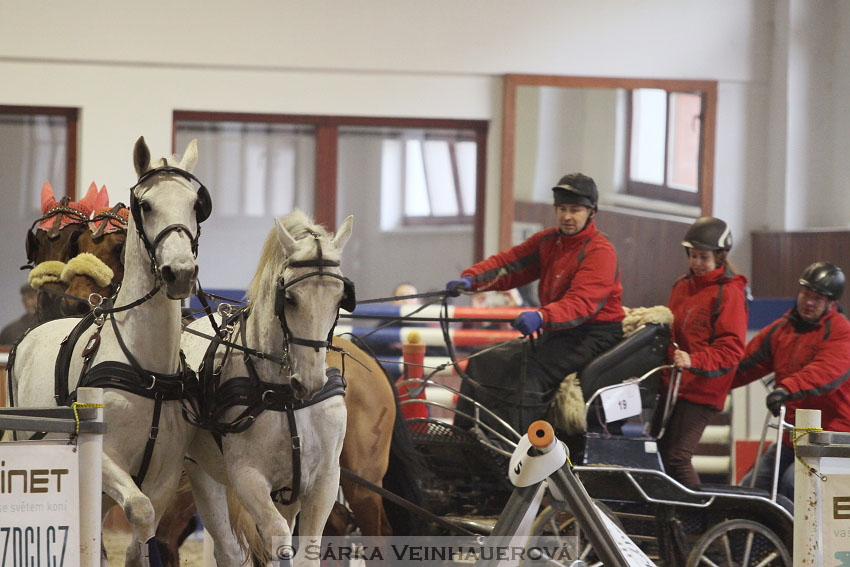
(467, 161)
(440, 178)
(416, 194)
(649, 128)
(32, 151)
(253, 169)
(685, 125)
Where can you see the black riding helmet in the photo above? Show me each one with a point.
(576, 189)
(708, 233)
(824, 278)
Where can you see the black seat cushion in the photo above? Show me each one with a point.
(630, 358)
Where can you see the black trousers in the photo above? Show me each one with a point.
(518, 380)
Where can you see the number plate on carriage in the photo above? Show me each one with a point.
(621, 402)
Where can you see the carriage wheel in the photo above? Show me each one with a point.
(563, 527)
(741, 543)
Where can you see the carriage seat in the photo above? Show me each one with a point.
(635, 355)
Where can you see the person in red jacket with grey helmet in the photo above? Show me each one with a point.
(808, 349)
(709, 331)
(580, 314)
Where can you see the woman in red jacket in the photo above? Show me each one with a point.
(709, 333)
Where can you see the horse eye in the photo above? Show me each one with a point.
(290, 299)
(145, 206)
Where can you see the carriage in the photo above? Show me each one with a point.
(467, 482)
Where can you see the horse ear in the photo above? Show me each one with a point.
(102, 199)
(190, 157)
(89, 202)
(141, 156)
(344, 232)
(48, 199)
(285, 238)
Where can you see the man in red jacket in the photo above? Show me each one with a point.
(580, 314)
(809, 351)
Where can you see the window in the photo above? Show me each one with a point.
(439, 177)
(37, 144)
(664, 145)
(253, 169)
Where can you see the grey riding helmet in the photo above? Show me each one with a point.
(708, 233)
(576, 189)
(824, 278)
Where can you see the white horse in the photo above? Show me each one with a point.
(294, 300)
(134, 348)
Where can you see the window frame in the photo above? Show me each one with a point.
(663, 192)
(327, 137)
(72, 117)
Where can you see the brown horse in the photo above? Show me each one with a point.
(51, 242)
(99, 266)
(371, 403)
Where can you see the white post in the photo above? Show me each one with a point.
(91, 483)
(808, 548)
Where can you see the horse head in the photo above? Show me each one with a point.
(165, 212)
(51, 242)
(297, 293)
(99, 267)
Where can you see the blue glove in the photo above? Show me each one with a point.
(456, 286)
(528, 322)
(775, 399)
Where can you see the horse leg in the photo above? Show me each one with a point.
(253, 490)
(211, 500)
(316, 505)
(175, 525)
(118, 485)
(367, 507)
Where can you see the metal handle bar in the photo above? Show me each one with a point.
(598, 392)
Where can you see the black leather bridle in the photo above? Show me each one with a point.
(348, 301)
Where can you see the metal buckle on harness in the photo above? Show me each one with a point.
(296, 443)
(154, 432)
(153, 383)
(263, 397)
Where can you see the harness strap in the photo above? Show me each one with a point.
(395, 498)
(279, 495)
(149, 446)
(63, 360)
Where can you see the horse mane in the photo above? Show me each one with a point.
(273, 256)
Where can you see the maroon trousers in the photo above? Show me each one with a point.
(681, 437)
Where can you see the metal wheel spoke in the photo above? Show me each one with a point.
(748, 548)
(767, 560)
(727, 545)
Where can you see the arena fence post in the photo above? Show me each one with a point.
(91, 482)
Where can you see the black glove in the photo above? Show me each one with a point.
(775, 399)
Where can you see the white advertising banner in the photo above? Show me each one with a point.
(39, 504)
(835, 510)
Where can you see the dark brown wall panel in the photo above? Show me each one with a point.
(780, 257)
(649, 250)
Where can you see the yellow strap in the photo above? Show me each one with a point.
(795, 437)
(76, 405)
